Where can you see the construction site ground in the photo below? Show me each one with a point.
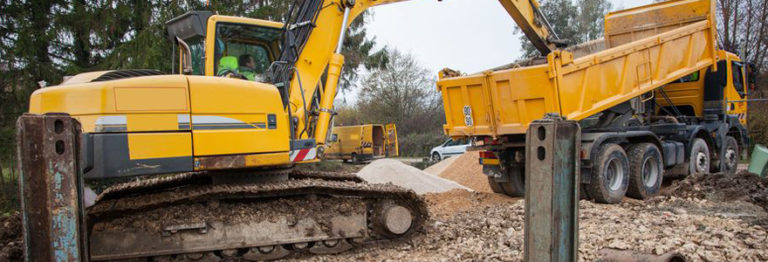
(710, 217)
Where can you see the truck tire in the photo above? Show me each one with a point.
(516, 185)
(731, 156)
(700, 158)
(610, 177)
(495, 186)
(646, 171)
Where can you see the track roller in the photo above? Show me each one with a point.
(266, 253)
(330, 247)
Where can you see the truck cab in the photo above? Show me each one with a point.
(704, 92)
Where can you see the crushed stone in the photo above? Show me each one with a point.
(384, 171)
(466, 170)
(439, 167)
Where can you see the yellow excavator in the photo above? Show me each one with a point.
(211, 147)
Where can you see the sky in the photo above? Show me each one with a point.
(466, 35)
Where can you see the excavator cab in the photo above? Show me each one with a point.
(217, 45)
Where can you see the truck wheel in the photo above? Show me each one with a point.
(731, 156)
(646, 171)
(516, 185)
(611, 175)
(699, 161)
(436, 157)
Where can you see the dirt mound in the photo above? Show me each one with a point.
(489, 230)
(449, 203)
(720, 187)
(439, 167)
(466, 170)
(11, 242)
(395, 172)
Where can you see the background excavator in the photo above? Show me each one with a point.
(215, 150)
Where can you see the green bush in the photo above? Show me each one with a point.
(419, 144)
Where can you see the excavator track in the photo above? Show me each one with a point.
(184, 218)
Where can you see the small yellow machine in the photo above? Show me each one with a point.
(362, 143)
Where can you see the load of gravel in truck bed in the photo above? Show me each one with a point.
(396, 172)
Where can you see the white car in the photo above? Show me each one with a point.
(449, 148)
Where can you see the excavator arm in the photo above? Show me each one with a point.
(312, 49)
(535, 26)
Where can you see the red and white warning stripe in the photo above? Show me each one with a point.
(303, 154)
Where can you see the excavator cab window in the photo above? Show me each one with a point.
(197, 48)
(239, 40)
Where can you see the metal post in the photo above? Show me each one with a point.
(552, 190)
(50, 188)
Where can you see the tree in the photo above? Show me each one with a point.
(404, 93)
(575, 23)
(743, 29)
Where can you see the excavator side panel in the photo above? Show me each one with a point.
(237, 123)
(130, 126)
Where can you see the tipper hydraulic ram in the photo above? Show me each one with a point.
(629, 141)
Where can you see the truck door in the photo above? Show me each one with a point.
(391, 140)
(736, 92)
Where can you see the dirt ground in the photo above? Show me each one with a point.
(705, 218)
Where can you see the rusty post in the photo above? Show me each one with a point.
(552, 190)
(50, 187)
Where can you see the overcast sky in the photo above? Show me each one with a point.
(466, 35)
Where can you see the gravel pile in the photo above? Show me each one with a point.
(439, 167)
(464, 169)
(719, 187)
(384, 171)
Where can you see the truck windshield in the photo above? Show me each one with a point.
(245, 49)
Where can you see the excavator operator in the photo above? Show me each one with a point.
(247, 67)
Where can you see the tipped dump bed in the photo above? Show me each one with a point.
(647, 47)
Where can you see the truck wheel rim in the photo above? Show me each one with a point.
(701, 162)
(730, 158)
(615, 174)
(650, 171)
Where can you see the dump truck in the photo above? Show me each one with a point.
(650, 99)
(206, 155)
(362, 143)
